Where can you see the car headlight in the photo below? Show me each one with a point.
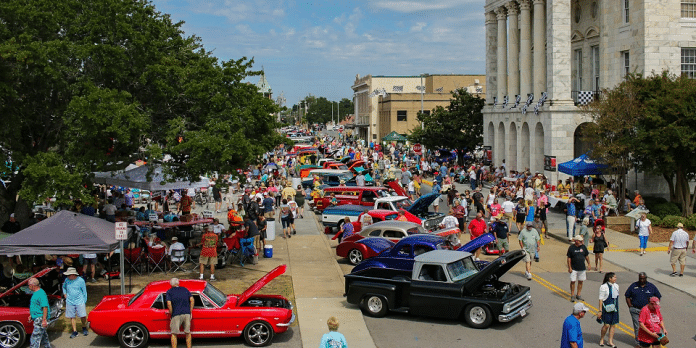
(506, 308)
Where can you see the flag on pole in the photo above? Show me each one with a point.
(440, 90)
(517, 101)
(505, 101)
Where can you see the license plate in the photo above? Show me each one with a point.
(523, 313)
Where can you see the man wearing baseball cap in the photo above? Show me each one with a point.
(650, 324)
(572, 331)
(577, 255)
(529, 241)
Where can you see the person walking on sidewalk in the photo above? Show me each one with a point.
(644, 227)
(572, 331)
(600, 243)
(75, 293)
(638, 296)
(180, 305)
(333, 339)
(609, 303)
(678, 243)
(529, 241)
(39, 312)
(571, 218)
(577, 255)
(584, 231)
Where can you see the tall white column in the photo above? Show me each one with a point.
(539, 48)
(502, 53)
(514, 51)
(491, 56)
(525, 48)
(559, 52)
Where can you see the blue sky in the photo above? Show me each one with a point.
(317, 47)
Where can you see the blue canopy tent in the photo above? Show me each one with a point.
(581, 166)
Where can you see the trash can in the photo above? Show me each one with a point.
(296, 182)
(268, 251)
(270, 229)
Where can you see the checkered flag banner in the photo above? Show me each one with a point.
(542, 100)
(530, 98)
(440, 90)
(398, 89)
(421, 88)
(373, 94)
(383, 92)
(517, 101)
(505, 101)
(585, 97)
(495, 101)
(536, 109)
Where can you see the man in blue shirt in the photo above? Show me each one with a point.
(180, 304)
(39, 313)
(572, 332)
(571, 217)
(75, 293)
(638, 296)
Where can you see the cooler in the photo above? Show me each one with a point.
(268, 251)
(270, 229)
(296, 182)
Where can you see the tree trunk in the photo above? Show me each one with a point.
(684, 193)
(670, 184)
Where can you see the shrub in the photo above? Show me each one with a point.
(671, 221)
(665, 209)
(651, 201)
(654, 219)
(691, 222)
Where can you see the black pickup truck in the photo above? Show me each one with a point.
(444, 284)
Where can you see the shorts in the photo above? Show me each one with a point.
(269, 214)
(649, 344)
(218, 199)
(285, 221)
(508, 216)
(678, 255)
(89, 261)
(178, 321)
(502, 244)
(72, 310)
(528, 256)
(578, 276)
(520, 218)
(208, 260)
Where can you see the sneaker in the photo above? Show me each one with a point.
(201, 277)
(74, 334)
(294, 232)
(572, 298)
(213, 279)
(536, 259)
(579, 298)
(84, 331)
(673, 274)
(93, 280)
(681, 274)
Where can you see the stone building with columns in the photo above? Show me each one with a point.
(567, 51)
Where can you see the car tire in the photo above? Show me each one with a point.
(12, 335)
(375, 306)
(355, 256)
(258, 334)
(133, 335)
(478, 316)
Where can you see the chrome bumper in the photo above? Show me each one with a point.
(292, 319)
(522, 311)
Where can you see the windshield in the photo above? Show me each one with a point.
(215, 295)
(346, 176)
(462, 269)
(136, 296)
(415, 230)
(390, 216)
(403, 203)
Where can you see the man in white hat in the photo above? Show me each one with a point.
(572, 331)
(75, 293)
(12, 225)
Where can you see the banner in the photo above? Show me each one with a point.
(550, 163)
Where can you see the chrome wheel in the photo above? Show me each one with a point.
(133, 335)
(355, 256)
(374, 304)
(258, 333)
(477, 315)
(11, 335)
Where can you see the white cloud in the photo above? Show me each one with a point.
(418, 26)
(238, 10)
(409, 6)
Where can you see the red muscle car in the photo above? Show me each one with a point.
(136, 318)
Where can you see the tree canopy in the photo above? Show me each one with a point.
(319, 110)
(94, 85)
(650, 123)
(458, 126)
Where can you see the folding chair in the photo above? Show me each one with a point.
(133, 258)
(178, 259)
(156, 257)
(247, 251)
(194, 255)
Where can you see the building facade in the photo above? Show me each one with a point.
(391, 103)
(565, 52)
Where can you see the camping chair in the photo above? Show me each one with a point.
(247, 251)
(156, 257)
(194, 255)
(178, 259)
(231, 253)
(133, 258)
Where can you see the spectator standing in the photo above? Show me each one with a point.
(678, 243)
(609, 303)
(286, 218)
(268, 208)
(217, 196)
(180, 305)
(644, 227)
(90, 260)
(584, 231)
(577, 255)
(638, 296)
(571, 218)
(520, 214)
(600, 244)
(333, 339)
(529, 241)
(75, 294)
(502, 233)
(252, 231)
(129, 199)
(39, 312)
(347, 229)
(209, 242)
(288, 192)
(300, 200)
(12, 225)
(185, 204)
(651, 324)
(262, 224)
(110, 210)
(459, 212)
(477, 227)
(508, 209)
(572, 331)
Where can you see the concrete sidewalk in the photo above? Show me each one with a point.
(318, 284)
(623, 251)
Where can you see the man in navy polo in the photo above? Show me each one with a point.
(637, 296)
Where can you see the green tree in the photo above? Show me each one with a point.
(93, 85)
(458, 126)
(320, 110)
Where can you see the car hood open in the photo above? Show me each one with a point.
(41, 273)
(420, 206)
(497, 267)
(478, 242)
(260, 283)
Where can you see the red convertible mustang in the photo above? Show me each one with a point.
(136, 318)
